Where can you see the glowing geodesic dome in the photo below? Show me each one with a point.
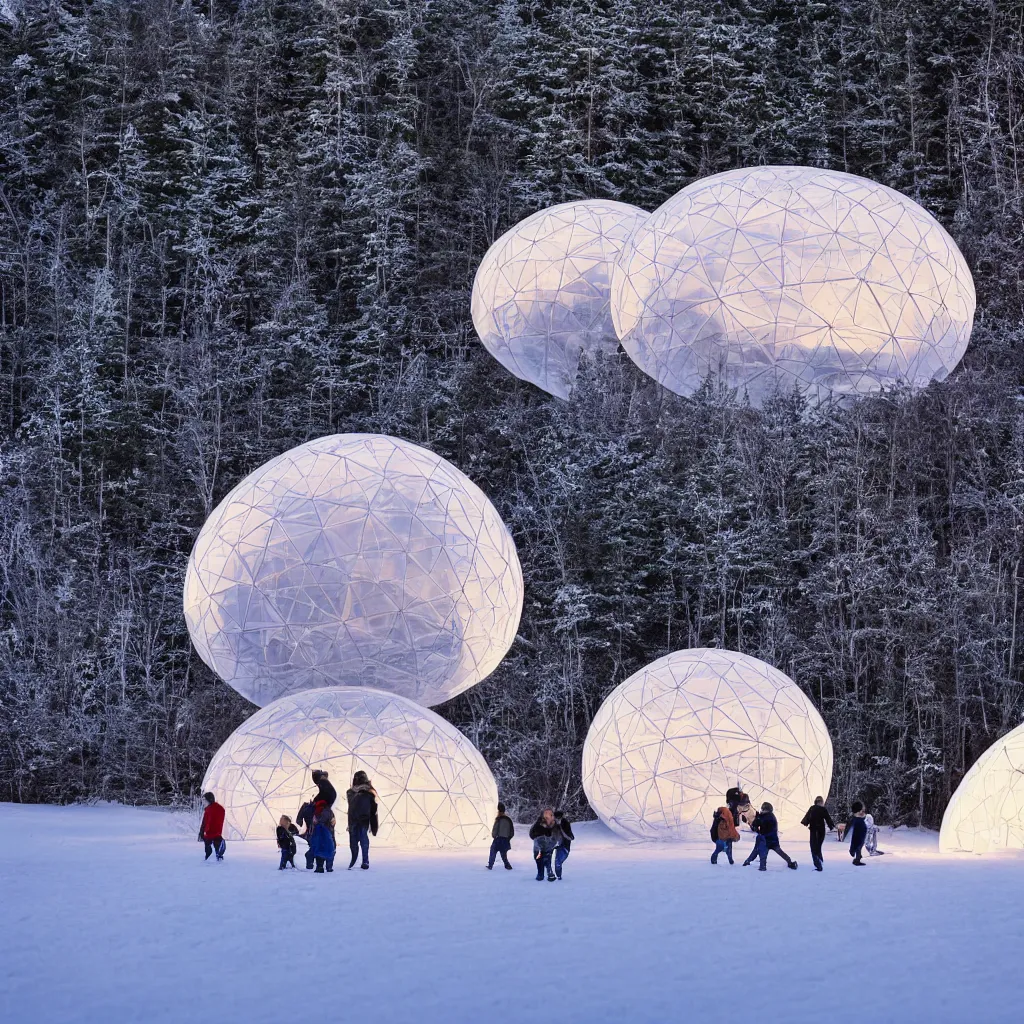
(987, 809)
(433, 787)
(792, 276)
(669, 741)
(541, 293)
(354, 560)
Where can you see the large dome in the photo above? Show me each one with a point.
(541, 293)
(792, 276)
(433, 787)
(354, 560)
(987, 809)
(669, 741)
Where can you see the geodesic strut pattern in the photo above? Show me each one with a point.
(433, 787)
(669, 741)
(792, 276)
(354, 560)
(987, 809)
(541, 293)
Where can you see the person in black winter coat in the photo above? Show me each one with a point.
(545, 836)
(564, 826)
(819, 821)
(305, 819)
(325, 791)
(286, 833)
(858, 830)
(766, 825)
(362, 818)
(502, 832)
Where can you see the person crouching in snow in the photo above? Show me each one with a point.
(858, 831)
(766, 825)
(502, 832)
(286, 833)
(544, 834)
(212, 829)
(724, 834)
(321, 840)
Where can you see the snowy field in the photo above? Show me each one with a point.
(110, 914)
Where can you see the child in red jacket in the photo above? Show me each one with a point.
(212, 828)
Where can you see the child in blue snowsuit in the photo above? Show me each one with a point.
(766, 825)
(858, 829)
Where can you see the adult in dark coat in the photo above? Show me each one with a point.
(766, 825)
(305, 819)
(545, 836)
(564, 826)
(502, 832)
(362, 818)
(819, 821)
(211, 831)
(858, 830)
(325, 791)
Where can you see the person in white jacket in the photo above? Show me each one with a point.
(871, 841)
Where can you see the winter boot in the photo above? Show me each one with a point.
(365, 867)
(792, 864)
(762, 869)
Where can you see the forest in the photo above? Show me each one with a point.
(228, 227)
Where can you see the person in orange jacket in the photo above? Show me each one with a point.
(724, 833)
(212, 829)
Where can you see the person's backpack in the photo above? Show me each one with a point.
(714, 827)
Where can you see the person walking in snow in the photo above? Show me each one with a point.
(307, 812)
(858, 831)
(723, 833)
(545, 839)
(819, 821)
(286, 833)
(565, 837)
(766, 825)
(362, 818)
(211, 831)
(871, 840)
(502, 832)
(321, 840)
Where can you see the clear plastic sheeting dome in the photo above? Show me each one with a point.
(354, 560)
(433, 788)
(669, 741)
(987, 810)
(792, 277)
(541, 294)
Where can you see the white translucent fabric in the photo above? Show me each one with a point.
(541, 293)
(668, 742)
(354, 560)
(792, 276)
(987, 809)
(433, 787)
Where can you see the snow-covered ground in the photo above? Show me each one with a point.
(110, 914)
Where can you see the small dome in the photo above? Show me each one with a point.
(987, 809)
(669, 741)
